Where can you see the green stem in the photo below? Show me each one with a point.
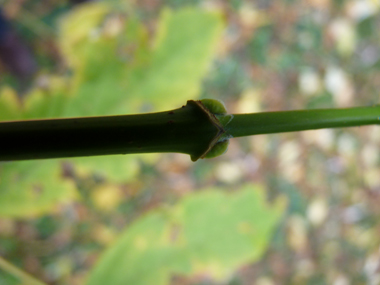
(291, 121)
(24, 277)
(200, 129)
(190, 129)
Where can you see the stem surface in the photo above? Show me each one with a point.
(189, 130)
(193, 129)
(290, 121)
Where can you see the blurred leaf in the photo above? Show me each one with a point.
(9, 105)
(207, 232)
(185, 45)
(165, 76)
(32, 188)
(41, 102)
(118, 168)
(48, 101)
(76, 28)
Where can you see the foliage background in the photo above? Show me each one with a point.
(58, 217)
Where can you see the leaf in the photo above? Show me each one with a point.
(41, 102)
(32, 188)
(48, 101)
(185, 46)
(118, 168)
(104, 64)
(76, 29)
(207, 232)
(9, 105)
(165, 76)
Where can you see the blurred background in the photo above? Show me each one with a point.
(65, 58)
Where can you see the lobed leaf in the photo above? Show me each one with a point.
(207, 232)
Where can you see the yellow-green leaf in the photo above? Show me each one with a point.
(207, 232)
(32, 188)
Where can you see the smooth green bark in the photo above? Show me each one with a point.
(201, 129)
(189, 130)
(291, 121)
